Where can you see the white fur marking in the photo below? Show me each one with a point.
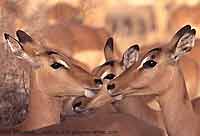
(118, 97)
(63, 63)
(90, 94)
(145, 60)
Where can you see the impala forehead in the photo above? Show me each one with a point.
(153, 53)
(110, 63)
(110, 69)
(104, 69)
(53, 57)
(104, 74)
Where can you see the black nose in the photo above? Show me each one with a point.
(98, 81)
(110, 86)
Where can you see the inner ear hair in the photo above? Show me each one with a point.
(11, 39)
(130, 56)
(108, 49)
(109, 44)
(49, 52)
(178, 35)
(184, 44)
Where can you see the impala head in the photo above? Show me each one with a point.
(112, 67)
(55, 73)
(157, 69)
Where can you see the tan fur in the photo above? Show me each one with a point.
(135, 106)
(73, 40)
(190, 66)
(47, 82)
(166, 81)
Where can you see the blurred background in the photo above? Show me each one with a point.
(145, 22)
(130, 21)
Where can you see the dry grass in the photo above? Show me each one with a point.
(14, 86)
(14, 77)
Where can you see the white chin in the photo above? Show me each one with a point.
(118, 97)
(110, 92)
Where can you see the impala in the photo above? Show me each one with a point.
(81, 42)
(137, 107)
(53, 74)
(107, 70)
(190, 67)
(110, 69)
(112, 65)
(158, 73)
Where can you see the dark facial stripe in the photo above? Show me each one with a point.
(98, 81)
(155, 49)
(51, 52)
(111, 63)
(7, 36)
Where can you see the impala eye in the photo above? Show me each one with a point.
(109, 76)
(56, 65)
(98, 81)
(149, 64)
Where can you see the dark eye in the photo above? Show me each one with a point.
(56, 65)
(149, 64)
(98, 81)
(109, 76)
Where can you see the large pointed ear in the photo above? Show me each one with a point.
(23, 37)
(17, 48)
(29, 45)
(130, 56)
(108, 49)
(182, 42)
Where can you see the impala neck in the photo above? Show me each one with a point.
(43, 110)
(178, 114)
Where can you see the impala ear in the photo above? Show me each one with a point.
(130, 56)
(108, 49)
(18, 49)
(23, 37)
(182, 42)
(178, 35)
(30, 46)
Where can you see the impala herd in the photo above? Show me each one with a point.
(74, 85)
